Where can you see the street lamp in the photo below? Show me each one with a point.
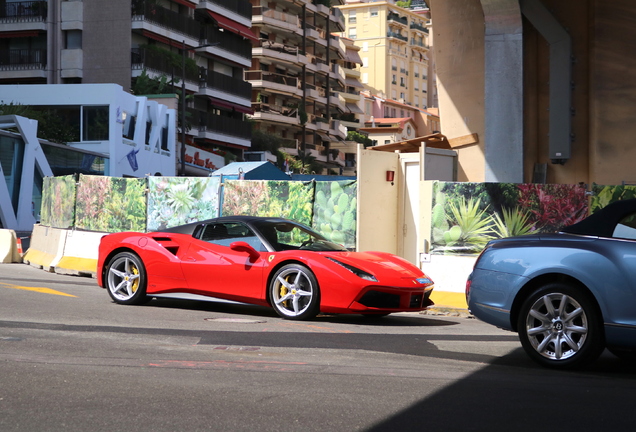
(183, 100)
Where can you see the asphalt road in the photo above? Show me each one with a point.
(71, 360)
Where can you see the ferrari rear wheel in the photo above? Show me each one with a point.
(559, 327)
(294, 292)
(126, 279)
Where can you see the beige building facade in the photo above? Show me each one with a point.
(394, 45)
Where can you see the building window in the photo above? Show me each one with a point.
(73, 39)
(95, 123)
(365, 62)
(365, 46)
(352, 17)
(353, 33)
(374, 12)
(365, 78)
(128, 125)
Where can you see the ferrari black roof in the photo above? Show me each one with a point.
(189, 228)
(603, 222)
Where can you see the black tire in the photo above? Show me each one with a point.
(294, 292)
(560, 327)
(126, 279)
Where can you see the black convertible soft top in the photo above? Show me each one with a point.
(603, 222)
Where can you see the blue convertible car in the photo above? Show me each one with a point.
(568, 295)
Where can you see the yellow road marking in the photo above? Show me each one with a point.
(36, 289)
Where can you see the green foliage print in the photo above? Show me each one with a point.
(604, 195)
(111, 204)
(58, 202)
(174, 201)
(335, 211)
(289, 200)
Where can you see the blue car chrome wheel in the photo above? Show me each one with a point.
(559, 326)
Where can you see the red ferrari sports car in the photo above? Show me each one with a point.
(265, 261)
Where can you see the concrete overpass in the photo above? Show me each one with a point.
(548, 86)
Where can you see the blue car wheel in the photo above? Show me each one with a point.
(560, 327)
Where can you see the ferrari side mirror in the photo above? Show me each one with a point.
(241, 246)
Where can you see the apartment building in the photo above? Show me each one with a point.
(304, 86)
(121, 41)
(394, 45)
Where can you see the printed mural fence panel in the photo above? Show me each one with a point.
(465, 216)
(110, 204)
(287, 199)
(335, 211)
(58, 202)
(174, 201)
(602, 195)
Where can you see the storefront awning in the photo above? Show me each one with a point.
(353, 56)
(354, 108)
(352, 82)
(233, 26)
(231, 106)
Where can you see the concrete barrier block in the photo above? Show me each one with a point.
(46, 248)
(80, 254)
(9, 247)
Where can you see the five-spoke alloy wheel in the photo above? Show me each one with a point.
(126, 279)
(559, 327)
(294, 292)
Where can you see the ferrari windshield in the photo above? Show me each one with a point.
(285, 235)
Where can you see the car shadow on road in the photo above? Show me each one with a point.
(240, 310)
(512, 393)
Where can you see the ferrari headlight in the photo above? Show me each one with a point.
(356, 271)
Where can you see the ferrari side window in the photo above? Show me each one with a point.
(224, 234)
(626, 228)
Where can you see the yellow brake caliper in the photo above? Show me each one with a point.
(135, 283)
(283, 292)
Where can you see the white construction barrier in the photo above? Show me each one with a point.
(46, 248)
(9, 247)
(80, 253)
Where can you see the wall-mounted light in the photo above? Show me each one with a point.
(390, 176)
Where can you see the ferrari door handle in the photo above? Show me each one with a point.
(189, 259)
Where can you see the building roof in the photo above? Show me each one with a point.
(262, 170)
(436, 140)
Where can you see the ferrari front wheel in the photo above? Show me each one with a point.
(126, 279)
(294, 292)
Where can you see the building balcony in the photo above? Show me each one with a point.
(321, 65)
(72, 63)
(277, 19)
(396, 19)
(315, 34)
(23, 63)
(418, 45)
(351, 96)
(418, 27)
(275, 113)
(279, 52)
(398, 36)
(274, 82)
(352, 73)
(227, 45)
(164, 22)
(337, 17)
(339, 73)
(23, 11)
(157, 64)
(316, 93)
(225, 129)
(338, 46)
(225, 87)
(337, 100)
(337, 129)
